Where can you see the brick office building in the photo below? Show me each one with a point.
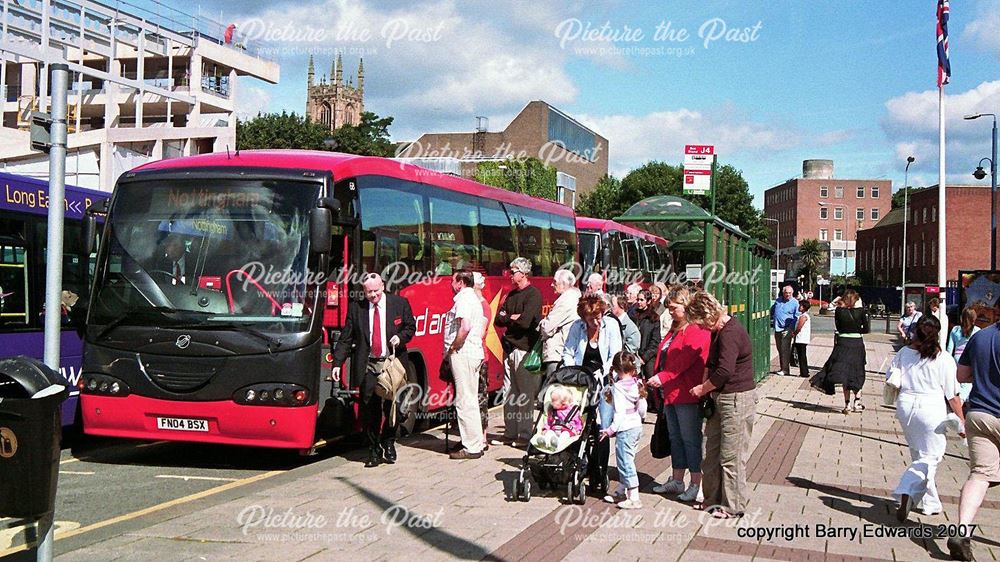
(880, 248)
(538, 131)
(831, 210)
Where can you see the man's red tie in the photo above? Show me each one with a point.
(376, 334)
(177, 273)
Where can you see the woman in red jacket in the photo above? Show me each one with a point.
(680, 366)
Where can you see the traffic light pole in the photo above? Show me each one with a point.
(54, 252)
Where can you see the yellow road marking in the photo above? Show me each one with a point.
(67, 461)
(152, 509)
(81, 472)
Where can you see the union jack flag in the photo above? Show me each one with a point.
(944, 66)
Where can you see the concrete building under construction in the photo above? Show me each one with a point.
(144, 85)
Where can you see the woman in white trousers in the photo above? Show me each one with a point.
(927, 383)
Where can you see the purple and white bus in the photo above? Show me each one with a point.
(24, 204)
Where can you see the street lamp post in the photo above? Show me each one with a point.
(906, 216)
(777, 236)
(980, 174)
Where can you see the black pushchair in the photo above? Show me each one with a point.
(563, 466)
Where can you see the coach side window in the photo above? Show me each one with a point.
(454, 232)
(563, 241)
(496, 236)
(394, 224)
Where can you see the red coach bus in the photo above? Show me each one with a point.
(622, 253)
(226, 341)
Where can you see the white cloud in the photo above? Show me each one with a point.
(911, 124)
(982, 31)
(250, 101)
(432, 64)
(661, 135)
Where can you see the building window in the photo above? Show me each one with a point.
(916, 217)
(861, 192)
(824, 191)
(838, 213)
(861, 213)
(923, 252)
(933, 213)
(933, 250)
(838, 192)
(924, 219)
(822, 234)
(874, 192)
(838, 234)
(824, 213)
(874, 214)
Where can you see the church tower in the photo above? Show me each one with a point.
(335, 103)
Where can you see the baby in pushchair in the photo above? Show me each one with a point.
(563, 422)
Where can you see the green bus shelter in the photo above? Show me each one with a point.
(726, 261)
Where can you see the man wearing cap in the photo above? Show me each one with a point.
(478, 284)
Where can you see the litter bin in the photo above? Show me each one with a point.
(30, 395)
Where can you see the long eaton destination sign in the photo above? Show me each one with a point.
(30, 195)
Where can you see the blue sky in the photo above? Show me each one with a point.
(850, 81)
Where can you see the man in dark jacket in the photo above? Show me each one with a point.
(376, 327)
(520, 314)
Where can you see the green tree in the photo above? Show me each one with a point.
(285, 130)
(733, 200)
(897, 198)
(811, 254)
(369, 138)
(603, 200)
(530, 176)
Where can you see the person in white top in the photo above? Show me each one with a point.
(628, 394)
(555, 326)
(463, 343)
(802, 335)
(928, 380)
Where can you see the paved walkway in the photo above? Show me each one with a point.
(820, 483)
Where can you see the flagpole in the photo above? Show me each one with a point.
(942, 215)
(943, 76)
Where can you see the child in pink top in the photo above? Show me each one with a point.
(562, 424)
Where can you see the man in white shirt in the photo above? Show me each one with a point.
(463, 347)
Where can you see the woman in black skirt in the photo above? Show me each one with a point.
(846, 365)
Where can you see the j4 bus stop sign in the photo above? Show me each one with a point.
(698, 159)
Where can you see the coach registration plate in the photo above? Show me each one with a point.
(181, 424)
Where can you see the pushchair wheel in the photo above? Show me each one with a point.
(581, 494)
(518, 487)
(526, 491)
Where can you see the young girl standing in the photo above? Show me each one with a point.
(803, 333)
(628, 395)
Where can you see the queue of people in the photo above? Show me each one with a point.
(699, 367)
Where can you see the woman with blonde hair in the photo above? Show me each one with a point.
(679, 367)
(729, 382)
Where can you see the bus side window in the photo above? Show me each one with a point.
(13, 284)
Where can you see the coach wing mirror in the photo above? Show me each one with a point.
(331, 203)
(320, 223)
(90, 225)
